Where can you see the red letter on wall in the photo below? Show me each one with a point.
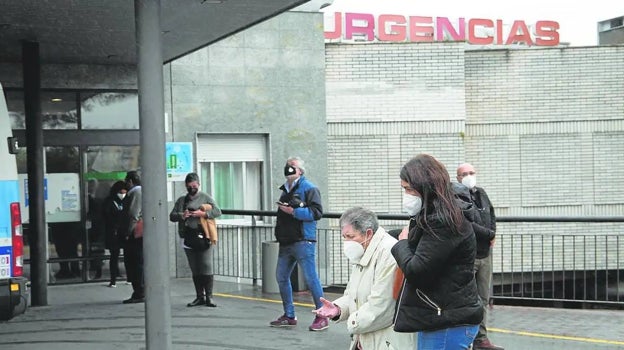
(547, 34)
(472, 32)
(421, 33)
(351, 28)
(396, 32)
(525, 36)
(443, 25)
(337, 27)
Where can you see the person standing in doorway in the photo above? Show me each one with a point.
(112, 211)
(95, 225)
(485, 232)
(299, 208)
(188, 212)
(133, 234)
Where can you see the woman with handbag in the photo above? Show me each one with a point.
(195, 213)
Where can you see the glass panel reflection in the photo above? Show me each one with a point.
(58, 109)
(111, 162)
(15, 105)
(110, 110)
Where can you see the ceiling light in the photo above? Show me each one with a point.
(56, 99)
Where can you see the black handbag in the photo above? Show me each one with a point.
(196, 240)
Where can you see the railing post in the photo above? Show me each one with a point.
(255, 246)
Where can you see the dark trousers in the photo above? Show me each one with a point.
(483, 276)
(65, 238)
(133, 261)
(114, 264)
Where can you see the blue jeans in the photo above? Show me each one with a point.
(448, 339)
(304, 253)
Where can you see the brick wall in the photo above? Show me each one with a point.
(543, 127)
(386, 103)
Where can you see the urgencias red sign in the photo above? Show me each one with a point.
(476, 31)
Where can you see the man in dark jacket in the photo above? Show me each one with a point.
(484, 227)
(133, 246)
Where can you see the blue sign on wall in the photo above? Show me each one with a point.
(179, 160)
(45, 191)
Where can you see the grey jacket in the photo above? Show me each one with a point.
(194, 203)
(132, 211)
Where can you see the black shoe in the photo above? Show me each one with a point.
(208, 281)
(134, 300)
(197, 302)
(209, 303)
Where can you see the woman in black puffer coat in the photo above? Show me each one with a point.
(439, 297)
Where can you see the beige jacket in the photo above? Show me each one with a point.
(367, 306)
(209, 225)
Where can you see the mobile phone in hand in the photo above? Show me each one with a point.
(281, 203)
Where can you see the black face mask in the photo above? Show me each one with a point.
(192, 190)
(289, 170)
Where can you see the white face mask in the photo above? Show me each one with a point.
(121, 196)
(411, 204)
(353, 250)
(469, 181)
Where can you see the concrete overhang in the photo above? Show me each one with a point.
(103, 31)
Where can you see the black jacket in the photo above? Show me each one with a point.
(112, 213)
(485, 228)
(478, 209)
(440, 290)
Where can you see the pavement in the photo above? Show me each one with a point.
(91, 316)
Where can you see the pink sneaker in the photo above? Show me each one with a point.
(284, 321)
(319, 324)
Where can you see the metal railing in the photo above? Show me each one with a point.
(557, 260)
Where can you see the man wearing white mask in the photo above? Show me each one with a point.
(485, 232)
(367, 305)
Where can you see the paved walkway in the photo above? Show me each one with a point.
(91, 316)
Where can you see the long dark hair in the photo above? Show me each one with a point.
(430, 178)
(115, 188)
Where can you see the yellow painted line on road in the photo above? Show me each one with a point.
(559, 337)
(242, 297)
(490, 329)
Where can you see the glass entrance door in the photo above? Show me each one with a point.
(103, 167)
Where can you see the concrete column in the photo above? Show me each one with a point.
(153, 174)
(35, 170)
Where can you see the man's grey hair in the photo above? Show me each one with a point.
(361, 219)
(300, 163)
